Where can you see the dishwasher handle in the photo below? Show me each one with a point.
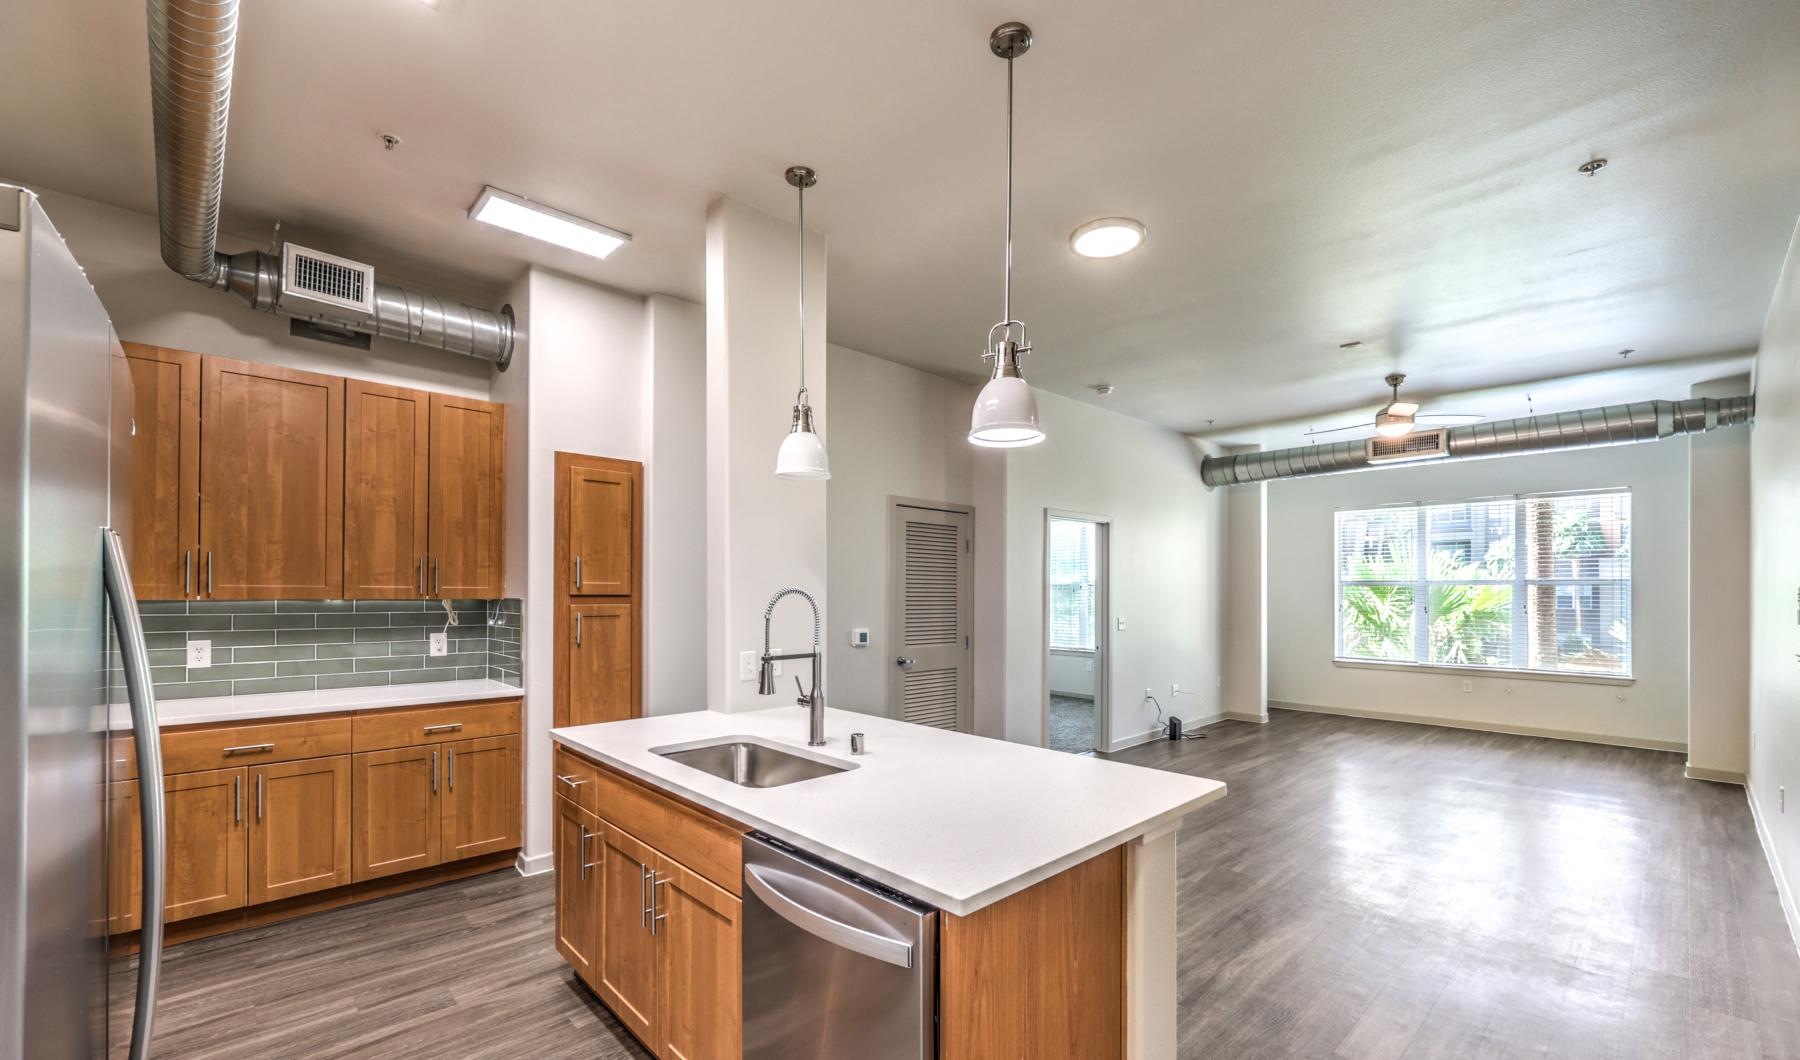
(835, 932)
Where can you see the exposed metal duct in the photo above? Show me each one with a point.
(1642, 421)
(192, 43)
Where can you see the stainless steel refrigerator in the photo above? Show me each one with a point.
(65, 435)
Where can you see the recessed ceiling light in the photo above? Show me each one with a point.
(1103, 389)
(518, 214)
(1108, 237)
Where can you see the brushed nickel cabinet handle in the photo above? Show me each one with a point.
(437, 586)
(187, 572)
(433, 730)
(259, 798)
(656, 880)
(209, 572)
(247, 748)
(420, 577)
(434, 772)
(237, 798)
(451, 769)
(581, 853)
(644, 891)
(577, 573)
(578, 629)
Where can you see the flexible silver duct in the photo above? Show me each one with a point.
(1643, 421)
(192, 43)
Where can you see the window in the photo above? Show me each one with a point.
(1072, 579)
(1540, 582)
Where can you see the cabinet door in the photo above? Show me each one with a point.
(394, 810)
(698, 930)
(579, 837)
(205, 858)
(299, 827)
(602, 521)
(480, 802)
(385, 434)
(599, 676)
(124, 859)
(165, 471)
(272, 461)
(627, 949)
(468, 498)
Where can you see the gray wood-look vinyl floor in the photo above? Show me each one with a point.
(1367, 889)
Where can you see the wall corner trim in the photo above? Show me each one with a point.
(534, 864)
(1717, 776)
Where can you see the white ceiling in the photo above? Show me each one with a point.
(1400, 173)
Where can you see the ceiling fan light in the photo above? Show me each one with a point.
(1006, 415)
(1393, 424)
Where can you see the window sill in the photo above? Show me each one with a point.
(1485, 671)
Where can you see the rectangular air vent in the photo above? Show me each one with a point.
(311, 277)
(1419, 445)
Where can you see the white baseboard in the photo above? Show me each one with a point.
(1254, 719)
(1147, 736)
(1789, 908)
(1717, 776)
(534, 864)
(1482, 726)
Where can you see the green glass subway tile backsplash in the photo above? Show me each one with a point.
(301, 645)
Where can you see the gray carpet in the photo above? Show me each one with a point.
(1071, 723)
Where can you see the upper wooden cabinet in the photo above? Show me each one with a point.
(602, 526)
(468, 498)
(386, 433)
(165, 471)
(271, 482)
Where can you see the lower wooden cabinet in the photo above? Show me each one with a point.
(299, 827)
(658, 942)
(421, 806)
(207, 851)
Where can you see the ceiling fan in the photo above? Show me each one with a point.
(1397, 418)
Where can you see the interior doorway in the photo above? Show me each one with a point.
(931, 618)
(1075, 632)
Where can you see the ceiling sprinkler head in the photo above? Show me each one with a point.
(1626, 353)
(1103, 389)
(1591, 166)
(389, 141)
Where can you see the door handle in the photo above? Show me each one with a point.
(437, 586)
(187, 572)
(420, 577)
(578, 629)
(237, 798)
(451, 770)
(434, 771)
(209, 572)
(577, 573)
(644, 891)
(259, 795)
(761, 881)
(905, 662)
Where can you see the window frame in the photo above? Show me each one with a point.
(1091, 583)
(1521, 583)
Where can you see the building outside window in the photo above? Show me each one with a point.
(1072, 581)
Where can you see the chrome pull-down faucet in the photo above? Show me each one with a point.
(765, 684)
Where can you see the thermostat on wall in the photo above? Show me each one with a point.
(859, 638)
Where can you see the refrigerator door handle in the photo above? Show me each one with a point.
(122, 601)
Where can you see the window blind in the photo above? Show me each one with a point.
(1072, 581)
(1536, 582)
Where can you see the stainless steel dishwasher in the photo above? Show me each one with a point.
(834, 965)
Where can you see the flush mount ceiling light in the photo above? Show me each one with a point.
(515, 213)
(802, 453)
(1006, 414)
(1108, 237)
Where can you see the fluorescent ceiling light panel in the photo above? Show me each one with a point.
(519, 214)
(1108, 237)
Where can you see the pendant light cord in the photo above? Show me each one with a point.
(802, 190)
(1006, 287)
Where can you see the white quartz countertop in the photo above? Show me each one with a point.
(955, 820)
(213, 709)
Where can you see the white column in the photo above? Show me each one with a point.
(1246, 678)
(1150, 955)
(1719, 595)
(762, 533)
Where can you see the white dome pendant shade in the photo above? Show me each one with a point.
(1006, 415)
(802, 452)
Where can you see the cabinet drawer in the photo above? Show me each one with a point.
(709, 845)
(382, 730)
(258, 743)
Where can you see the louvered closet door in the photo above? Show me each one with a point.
(929, 624)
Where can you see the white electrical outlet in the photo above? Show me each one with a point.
(1174, 689)
(1149, 694)
(1121, 623)
(1090, 666)
(440, 644)
(199, 654)
(1468, 686)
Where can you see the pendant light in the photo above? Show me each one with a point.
(802, 453)
(1006, 414)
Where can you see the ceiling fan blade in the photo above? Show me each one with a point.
(1447, 419)
(1336, 430)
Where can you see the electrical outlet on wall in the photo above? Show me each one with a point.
(440, 644)
(1468, 686)
(199, 655)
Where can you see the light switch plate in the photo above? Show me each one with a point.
(746, 666)
(1121, 623)
(199, 655)
(440, 644)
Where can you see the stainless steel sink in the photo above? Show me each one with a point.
(751, 763)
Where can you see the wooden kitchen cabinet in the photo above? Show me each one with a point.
(395, 803)
(579, 836)
(479, 807)
(165, 471)
(467, 506)
(299, 827)
(204, 821)
(601, 521)
(272, 469)
(386, 446)
(124, 859)
(599, 680)
(699, 1003)
(628, 951)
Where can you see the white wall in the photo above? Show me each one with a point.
(896, 432)
(763, 533)
(1167, 564)
(1072, 673)
(1653, 711)
(675, 525)
(121, 252)
(1775, 581)
(1718, 733)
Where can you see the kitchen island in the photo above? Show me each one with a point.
(1054, 874)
